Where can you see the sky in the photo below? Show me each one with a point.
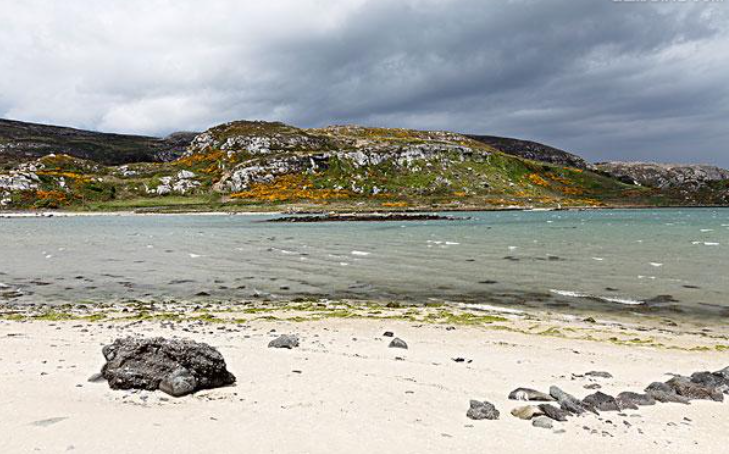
(606, 79)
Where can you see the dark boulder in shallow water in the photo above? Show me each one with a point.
(482, 410)
(176, 367)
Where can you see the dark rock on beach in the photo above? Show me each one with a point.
(530, 395)
(602, 402)
(664, 393)
(553, 412)
(569, 402)
(683, 386)
(285, 341)
(631, 400)
(177, 367)
(398, 343)
(712, 380)
(480, 410)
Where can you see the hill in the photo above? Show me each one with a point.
(255, 165)
(533, 150)
(20, 141)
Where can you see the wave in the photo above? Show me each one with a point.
(607, 299)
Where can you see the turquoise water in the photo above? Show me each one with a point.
(634, 259)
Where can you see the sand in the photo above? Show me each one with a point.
(343, 390)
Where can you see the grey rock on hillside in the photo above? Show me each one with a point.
(663, 176)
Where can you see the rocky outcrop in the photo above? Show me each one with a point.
(663, 176)
(176, 367)
(181, 183)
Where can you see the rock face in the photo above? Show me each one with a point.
(664, 175)
(480, 410)
(176, 367)
(285, 341)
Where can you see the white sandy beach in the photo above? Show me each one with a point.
(343, 390)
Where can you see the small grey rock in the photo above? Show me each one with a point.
(285, 341)
(480, 410)
(543, 422)
(398, 343)
(598, 374)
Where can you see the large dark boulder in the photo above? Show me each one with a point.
(176, 367)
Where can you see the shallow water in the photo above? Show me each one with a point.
(593, 259)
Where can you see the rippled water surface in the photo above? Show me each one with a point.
(661, 258)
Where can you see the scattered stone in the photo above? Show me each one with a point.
(530, 395)
(598, 374)
(388, 334)
(543, 422)
(284, 341)
(527, 412)
(398, 343)
(592, 386)
(553, 412)
(482, 410)
(177, 367)
(602, 402)
(49, 421)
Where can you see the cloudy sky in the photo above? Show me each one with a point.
(608, 79)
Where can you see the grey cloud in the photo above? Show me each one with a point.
(608, 80)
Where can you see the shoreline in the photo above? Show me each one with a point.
(148, 212)
(344, 390)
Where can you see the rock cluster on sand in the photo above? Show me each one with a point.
(176, 367)
(482, 410)
(679, 389)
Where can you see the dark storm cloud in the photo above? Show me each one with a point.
(610, 80)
